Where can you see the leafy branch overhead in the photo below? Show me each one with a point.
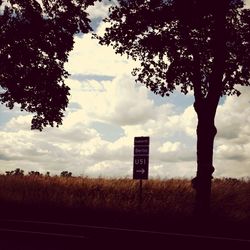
(177, 43)
(35, 40)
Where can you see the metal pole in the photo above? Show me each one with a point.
(140, 194)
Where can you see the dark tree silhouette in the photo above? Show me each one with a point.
(200, 46)
(66, 174)
(35, 39)
(34, 173)
(15, 172)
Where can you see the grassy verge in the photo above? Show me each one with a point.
(163, 200)
(170, 196)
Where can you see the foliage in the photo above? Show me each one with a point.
(179, 43)
(17, 171)
(34, 173)
(35, 40)
(65, 174)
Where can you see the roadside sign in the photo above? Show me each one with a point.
(143, 140)
(141, 158)
(140, 167)
(141, 150)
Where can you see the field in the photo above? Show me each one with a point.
(162, 200)
(167, 205)
(110, 194)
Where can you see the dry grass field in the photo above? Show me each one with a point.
(167, 206)
(168, 198)
(171, 196)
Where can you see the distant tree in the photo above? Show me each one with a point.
(35, 39)
(66, 174)
(17, 171)
(8, 173)
(34, 173)
(196, 45)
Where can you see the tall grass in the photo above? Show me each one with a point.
(174, 197)
(231, 199)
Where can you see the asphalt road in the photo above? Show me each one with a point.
(36, 235)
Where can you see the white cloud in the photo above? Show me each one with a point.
(232, 142)
(233, 116)
(235, 152)
(100, 9)
(129, 105)
(119, 102)
(79, 148)
(173, 170)
(89, 57)
(169, 147)
(21, 122)
(189, 121)
(109, 169)
(247, 3)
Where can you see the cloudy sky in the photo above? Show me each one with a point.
(108, 109)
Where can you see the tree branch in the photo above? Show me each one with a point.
(216, 81)
(196, 63)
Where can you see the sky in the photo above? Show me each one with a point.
(107, 109)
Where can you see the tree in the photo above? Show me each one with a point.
(66, 174)
(34, 173)
(35, 39)
(16, 172)
(200, 46)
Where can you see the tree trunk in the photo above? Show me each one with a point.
(206, 132)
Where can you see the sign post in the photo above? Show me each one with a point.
(141, 159)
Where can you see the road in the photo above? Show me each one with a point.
(36, 235)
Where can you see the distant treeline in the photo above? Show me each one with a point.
(20, 172)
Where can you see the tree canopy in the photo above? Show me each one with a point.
(179, 43)
(35, 39)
